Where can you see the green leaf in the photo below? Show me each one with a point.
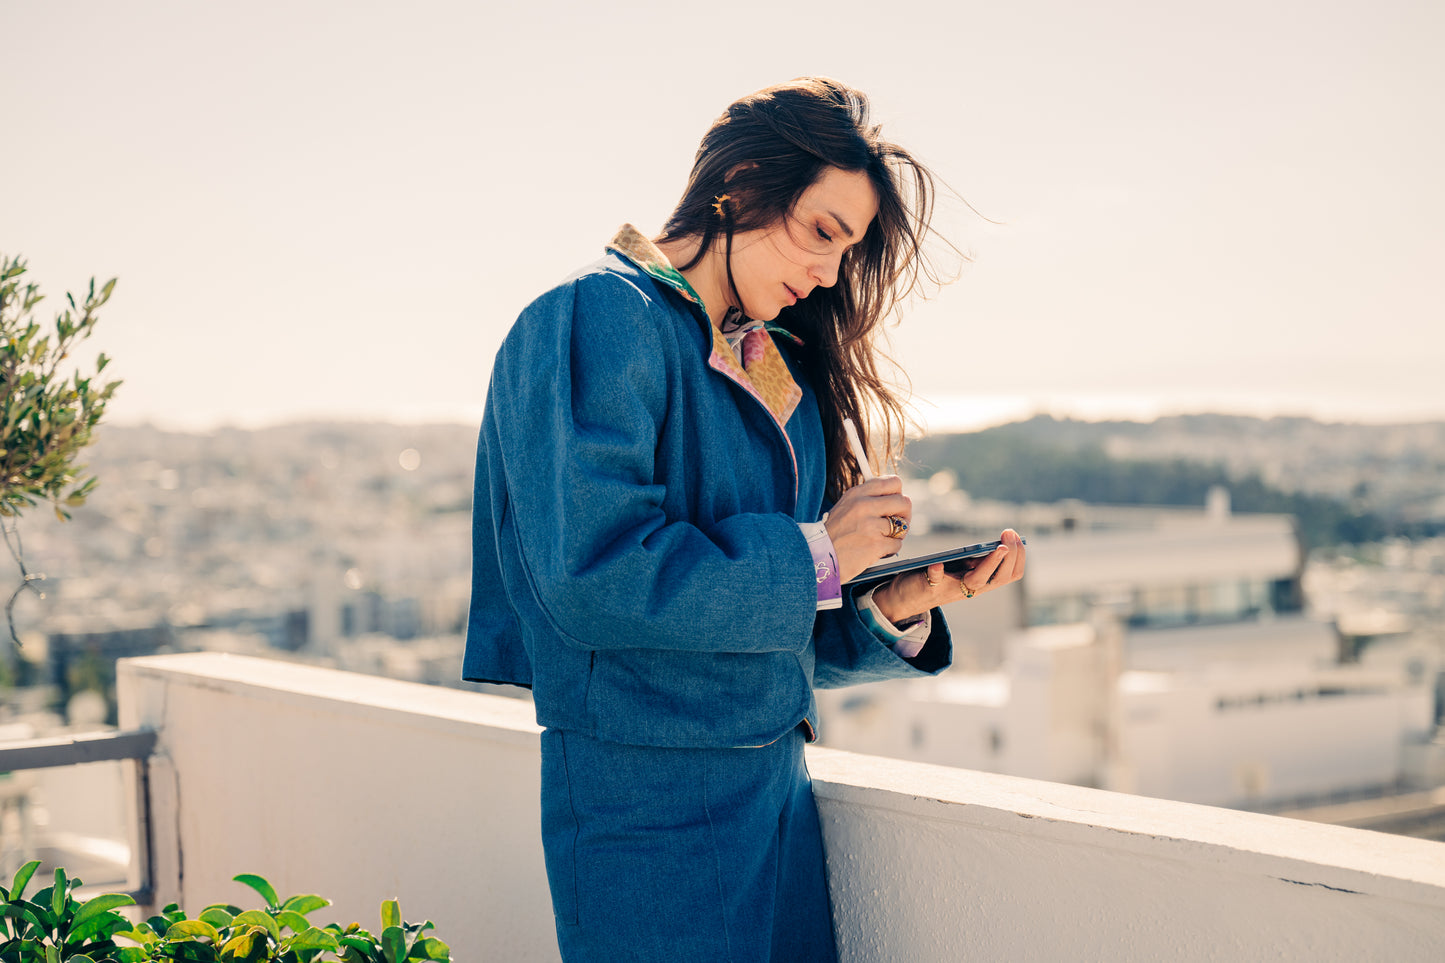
(295, 921)
(58, 894)
(305, 903)
(21, 911)
(314, 938)
(191, 952)
(101, 904)
(430, 948)
(80, 958)
(101, 927)
(140, 933)
(191, 929)
(260, 885)
(363, 944)
(52, 952)
(22, 879)
(217, 916)
(390, 913)
(131, 954)
(393, 944)
(257, 918)
(247, 946)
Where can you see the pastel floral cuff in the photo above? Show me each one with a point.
(825, 565)
(906, 639)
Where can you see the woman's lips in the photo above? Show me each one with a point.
(793, 296)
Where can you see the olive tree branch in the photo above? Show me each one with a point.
(11, 530)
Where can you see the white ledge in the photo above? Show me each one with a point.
(1350, 858)
(361, 788)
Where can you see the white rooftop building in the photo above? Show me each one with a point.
(1162, 652)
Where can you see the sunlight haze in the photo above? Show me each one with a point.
(327, 209)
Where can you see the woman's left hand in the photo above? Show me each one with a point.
(917, 592)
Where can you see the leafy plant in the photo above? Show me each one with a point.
(55, 927)
(279, 933)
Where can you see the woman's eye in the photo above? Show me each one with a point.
(825, 235)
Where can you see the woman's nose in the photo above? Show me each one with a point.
(825, 270)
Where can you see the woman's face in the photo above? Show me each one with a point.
(775, 267)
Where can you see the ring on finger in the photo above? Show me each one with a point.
(932, 582)
(968, 593)
(898, 527)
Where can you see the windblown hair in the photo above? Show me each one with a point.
(764, 152)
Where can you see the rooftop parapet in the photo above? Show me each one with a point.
(361, 788)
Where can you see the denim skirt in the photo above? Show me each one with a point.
(683, 854)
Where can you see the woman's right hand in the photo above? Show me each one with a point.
(859, 523)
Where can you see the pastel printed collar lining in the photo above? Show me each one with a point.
(761, 370)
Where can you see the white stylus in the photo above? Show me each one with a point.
(856, 443)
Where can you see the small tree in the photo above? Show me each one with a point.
(46, 415)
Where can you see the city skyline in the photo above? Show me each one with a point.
(325, 210)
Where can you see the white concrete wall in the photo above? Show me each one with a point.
(350, 786)
(929, 863)
(361, 788)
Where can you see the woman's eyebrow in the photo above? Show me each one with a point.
(842, 224)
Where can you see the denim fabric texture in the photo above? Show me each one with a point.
(637, 559)
(657, 854)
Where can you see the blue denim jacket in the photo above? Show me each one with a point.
(637, 559)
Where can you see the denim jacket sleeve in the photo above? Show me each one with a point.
(848, 653)
(579, 395)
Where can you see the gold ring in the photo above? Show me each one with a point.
(932, 582)
(898, 527)
(968, 593)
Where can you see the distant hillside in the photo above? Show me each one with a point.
(1346, 483)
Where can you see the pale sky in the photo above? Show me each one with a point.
(336, 209)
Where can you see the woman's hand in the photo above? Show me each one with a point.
(917, 592)
(859, 523)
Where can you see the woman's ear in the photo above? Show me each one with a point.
(738, 168)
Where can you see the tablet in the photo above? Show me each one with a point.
(955, 560)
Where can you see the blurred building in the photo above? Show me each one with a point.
(80, 652)
(1162, 652)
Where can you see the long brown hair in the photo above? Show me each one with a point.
(764, 151)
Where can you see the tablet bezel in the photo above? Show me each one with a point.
(891, 567)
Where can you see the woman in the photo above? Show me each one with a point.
(652, 557)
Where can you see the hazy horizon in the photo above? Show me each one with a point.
(934, 416)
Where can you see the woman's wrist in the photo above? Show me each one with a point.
(882, 597)
(886, 599)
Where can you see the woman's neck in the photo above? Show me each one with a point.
(708, 277)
